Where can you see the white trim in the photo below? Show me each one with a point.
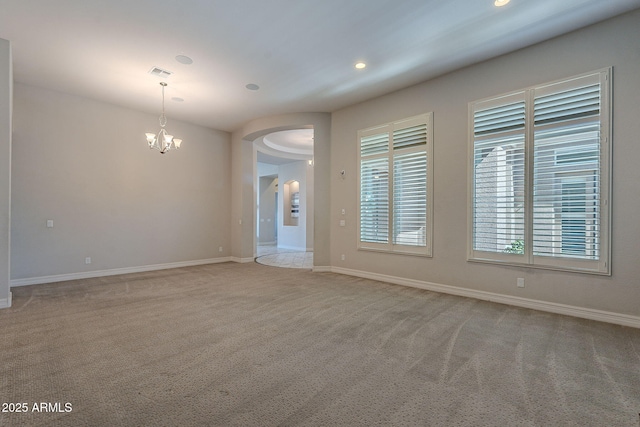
(322, 269)
(242, 260)
(111, 272)
(569, 310)
(6, 302)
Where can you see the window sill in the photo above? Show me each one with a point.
(423, 254)
(508, 263)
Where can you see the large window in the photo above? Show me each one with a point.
(395, 208)
(539, 170)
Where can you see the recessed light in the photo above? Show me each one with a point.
(360, 65)
(252, 86)
(500, 3)
(183, 59)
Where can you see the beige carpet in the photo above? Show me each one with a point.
(251, 345)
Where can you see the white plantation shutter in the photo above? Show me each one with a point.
(566, 196)
(374, 201)
(498, 174)
(374, 144)
(569, 104)
(500, 118)
(411, 136)
(410, 199)
(394, 208)
(540, 176)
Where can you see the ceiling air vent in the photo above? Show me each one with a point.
(157, 71)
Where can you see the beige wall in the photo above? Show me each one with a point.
(268, 222)
(292, 236)
(611, 43)
(6, 83)
(86, 166)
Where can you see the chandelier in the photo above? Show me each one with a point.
(163, 141)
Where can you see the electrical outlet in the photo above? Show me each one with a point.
(220, 249)
(87, 260)
(342, 257)
(520, 282)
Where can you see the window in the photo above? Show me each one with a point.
(395, 173)
(539, 176)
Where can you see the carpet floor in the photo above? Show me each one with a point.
(252, 345)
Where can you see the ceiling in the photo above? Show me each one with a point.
(285, 146)
(300, 53)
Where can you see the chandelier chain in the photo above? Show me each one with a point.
(163, 117)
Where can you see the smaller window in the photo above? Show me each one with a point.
(396, 186)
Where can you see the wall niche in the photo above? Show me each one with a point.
(291, 198)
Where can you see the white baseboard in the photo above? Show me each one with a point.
(6, 302)
(112, 272)
(322, 269)
(569, 310)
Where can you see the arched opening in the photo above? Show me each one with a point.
(248, 153)
(284, 198)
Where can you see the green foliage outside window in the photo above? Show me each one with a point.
(516, 247)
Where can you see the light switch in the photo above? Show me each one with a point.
(49, 223)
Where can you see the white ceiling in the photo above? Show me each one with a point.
(296, 141)
(300, 52)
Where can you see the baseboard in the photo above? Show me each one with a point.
(112, 272)
(6, 302)
(242, 260)
(569, 310)
(322, 269)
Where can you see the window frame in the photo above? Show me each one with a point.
(389, 128)
(600, 266)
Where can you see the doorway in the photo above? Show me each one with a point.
(284, 199)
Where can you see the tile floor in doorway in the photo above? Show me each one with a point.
(285, 258)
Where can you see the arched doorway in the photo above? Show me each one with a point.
(284, 198)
